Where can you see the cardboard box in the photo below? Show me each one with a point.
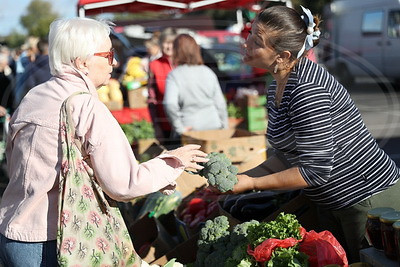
(236, 123)
(237, 144)
(253, 160)
(187, 183)
(137, 98)
(146, 149)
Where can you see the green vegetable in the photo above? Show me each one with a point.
(213, 238)
(219, 247)
(287, 257)
(234, 111)
(157, 204)
(138, 130)
(284, 226)
(220, 172)
(238, 244)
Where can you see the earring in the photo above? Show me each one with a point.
(276, 68)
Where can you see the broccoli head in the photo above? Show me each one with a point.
(220, 172)
(213, 238)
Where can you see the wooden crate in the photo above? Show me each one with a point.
(137, 98)
(237, 144)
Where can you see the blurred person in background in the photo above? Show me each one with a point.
(6, 82)
(22, 60)
(81, 61)
(158, 72)
(38, 71)
(320, 141)
(193, 97)
(153, 51)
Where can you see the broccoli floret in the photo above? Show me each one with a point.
(238, 244)
(239, 232)
(213, 238)
(220, 172)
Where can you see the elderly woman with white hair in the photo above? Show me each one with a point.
(81, 60)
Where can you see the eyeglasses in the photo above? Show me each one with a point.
(109, 55)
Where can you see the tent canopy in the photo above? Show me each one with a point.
(94, 7)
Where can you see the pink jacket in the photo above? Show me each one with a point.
(28, 209)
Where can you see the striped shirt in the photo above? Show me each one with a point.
(319, 129)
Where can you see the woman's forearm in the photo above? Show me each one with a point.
(287, 179)
(272, 174)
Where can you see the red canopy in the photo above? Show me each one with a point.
(94, 7)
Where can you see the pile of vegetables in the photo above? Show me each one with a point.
(234, 111)
(138, 130)
(135, 76)
(201, 206)
(219, 172)
(249, 243)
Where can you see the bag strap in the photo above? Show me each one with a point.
(71, 140)
(67, 108)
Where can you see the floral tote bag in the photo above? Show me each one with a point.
(91, 230)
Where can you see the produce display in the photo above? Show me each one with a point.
(220, 172)
(234, 111)
(202, 205)
(135, 76)
(110, 92)
(249, 243)
(138, 130)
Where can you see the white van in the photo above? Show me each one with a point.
(362, 39)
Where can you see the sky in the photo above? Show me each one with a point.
(12, 10)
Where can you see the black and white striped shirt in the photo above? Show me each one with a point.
(319, 129)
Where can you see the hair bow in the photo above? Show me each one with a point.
(311, 34)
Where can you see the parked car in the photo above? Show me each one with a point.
(362, 39)
(226, 61)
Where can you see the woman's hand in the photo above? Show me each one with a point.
(190, 155)
(245, 183)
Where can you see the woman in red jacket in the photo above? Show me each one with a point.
(159, 70)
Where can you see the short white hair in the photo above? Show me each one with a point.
(72, 38)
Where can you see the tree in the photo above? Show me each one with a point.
(15, 39)
(38, 18)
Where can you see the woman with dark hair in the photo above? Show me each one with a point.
(193, 97)
(321, 142)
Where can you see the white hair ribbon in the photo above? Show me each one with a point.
(311, 34)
